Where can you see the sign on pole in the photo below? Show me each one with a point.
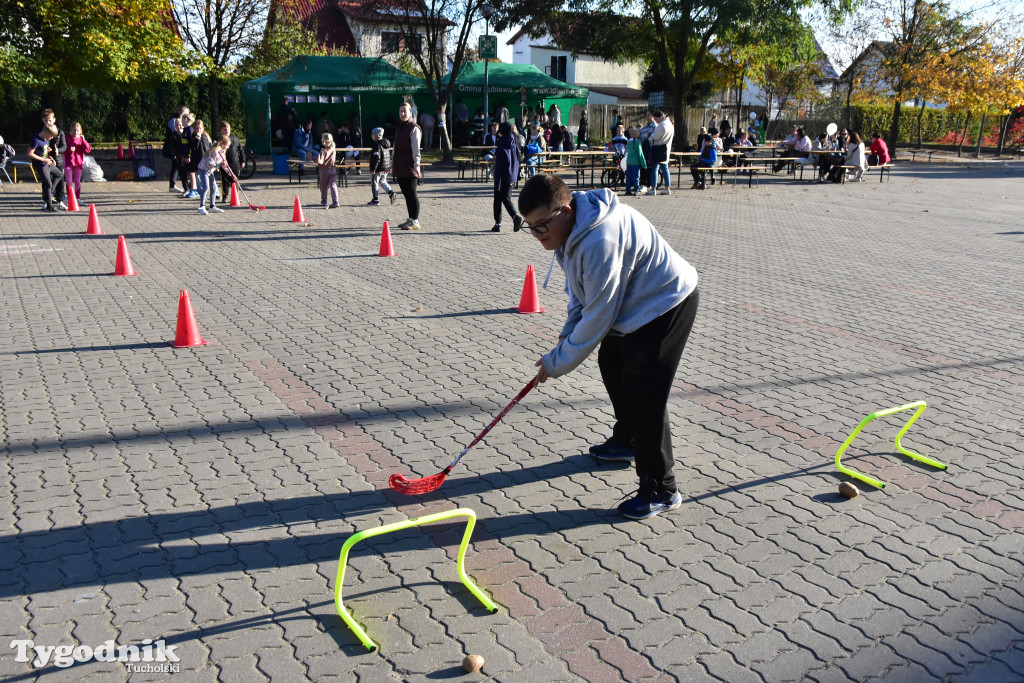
(488, 47)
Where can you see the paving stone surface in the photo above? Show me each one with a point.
(201, 496)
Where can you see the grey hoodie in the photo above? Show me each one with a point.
(620, 273)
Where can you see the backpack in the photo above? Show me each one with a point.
(385, 157)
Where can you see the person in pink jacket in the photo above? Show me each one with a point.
(74, 157)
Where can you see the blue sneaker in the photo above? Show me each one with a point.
(645, 506)
(612, 452)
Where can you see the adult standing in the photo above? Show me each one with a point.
(506, 171)
(287, 121)
(479, 125)
(427, 124)
(555, 116)
(502, 113)
(636, 298)
(581, 132)
(460, 122)
(407, 163)
(645, 146)
(169, 143)
(661, 144)
(233, 156)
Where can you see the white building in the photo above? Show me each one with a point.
(608, 82)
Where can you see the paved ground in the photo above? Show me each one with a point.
(202, 496)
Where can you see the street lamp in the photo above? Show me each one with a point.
(487, 11)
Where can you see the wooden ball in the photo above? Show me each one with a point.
(849, 490)
(473, 663)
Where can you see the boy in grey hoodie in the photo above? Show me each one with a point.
(630, 293)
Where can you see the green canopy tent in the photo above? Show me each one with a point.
(517, 85)
(372, 89)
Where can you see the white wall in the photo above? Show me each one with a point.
(587, 69)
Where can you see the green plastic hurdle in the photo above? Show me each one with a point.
(398, 526)
(877, 483)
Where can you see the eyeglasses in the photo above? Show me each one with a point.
(542, 227)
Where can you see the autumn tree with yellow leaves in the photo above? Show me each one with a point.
(98, 44)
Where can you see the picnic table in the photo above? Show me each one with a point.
(344, 165)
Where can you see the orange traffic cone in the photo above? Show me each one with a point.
(386, 249)
(120, 152)
(234, 196)
(529, 302)
(187, 332)
(72, 200)
(124, 261)
(131, 150)
(297, 216)
(93, 228)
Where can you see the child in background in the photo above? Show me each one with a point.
(204, 173)
(380, 166)
(74, 157)
(618, 143)
(634, 162)
(328, 171)
(45, 165)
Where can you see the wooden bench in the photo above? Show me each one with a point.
(914, 152)
(883, 171)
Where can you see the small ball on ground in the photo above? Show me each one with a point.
(473, 663)
(849, 490)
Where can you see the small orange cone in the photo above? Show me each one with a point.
(124, 261)
(234, 196)
(131, 150)
(120, 152)
(93, 228)
(72, 200)
(297, 216)
(529, 302)
(386, 249)
(187, 332)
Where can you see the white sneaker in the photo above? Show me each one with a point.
(202, 210)
(62, 206)
(216, 209)
(666, 192)
(415, 225)
(650, 192)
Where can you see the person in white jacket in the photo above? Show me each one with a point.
(661, 145)
(630, 293)
(855, 156)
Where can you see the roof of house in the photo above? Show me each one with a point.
(880, 47)
(332, 19)
(620, 91)
(332, 29)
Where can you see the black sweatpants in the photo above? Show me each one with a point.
(51, 177)
(637, 370)
(501, 198)
(788, 154)
(412, 200)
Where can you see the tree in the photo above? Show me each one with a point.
(283, 39)
(95, 43)
(920, 31)
(434, 33)
(221, 32)
(675, 37)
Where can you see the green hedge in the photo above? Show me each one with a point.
(878, 118)
(118, 115)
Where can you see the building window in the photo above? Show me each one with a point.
(558, 67)
(393, 41)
